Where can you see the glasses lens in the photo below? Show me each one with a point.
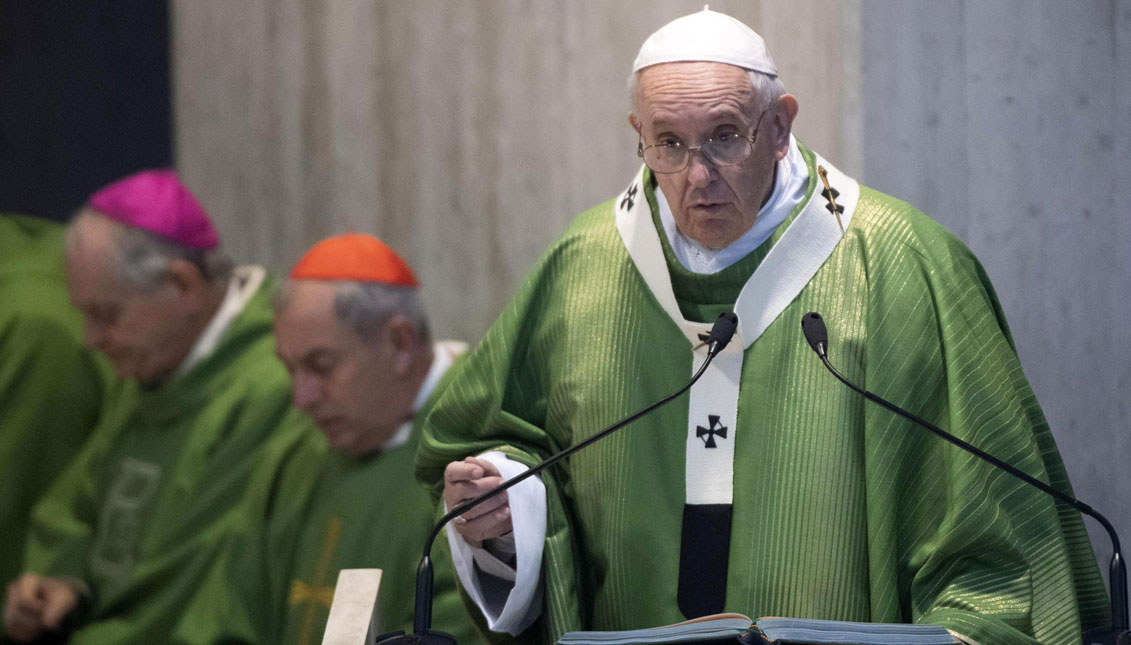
(727, 151)
(665, 158)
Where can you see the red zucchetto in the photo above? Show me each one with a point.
(354, 256)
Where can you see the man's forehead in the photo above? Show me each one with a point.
(306, 299)
(670, 92)
(307, 314)
(691, 78)
(91, 234)
(94, 269)
(306, 322)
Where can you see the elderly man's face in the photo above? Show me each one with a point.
(690, 102)
(352, 387)
(144, 334)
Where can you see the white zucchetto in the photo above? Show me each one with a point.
(706, 36)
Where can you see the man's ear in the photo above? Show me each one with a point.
(783, 112)
(403, 340)
(186, 278)
(634, 121)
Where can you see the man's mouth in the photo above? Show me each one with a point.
(326, 422)
(709, 208)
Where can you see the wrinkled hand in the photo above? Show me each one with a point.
(469, 478)
(36, 605)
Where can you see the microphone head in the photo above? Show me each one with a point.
(723, 330)
(813, 326)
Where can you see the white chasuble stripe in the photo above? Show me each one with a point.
(711, 416)
(783, 273)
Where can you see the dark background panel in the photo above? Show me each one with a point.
(84, 99)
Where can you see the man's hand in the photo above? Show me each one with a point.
(36, 605)
(469, 478)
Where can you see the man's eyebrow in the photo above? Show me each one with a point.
(307, 357)
(727, 112)
(96, 306)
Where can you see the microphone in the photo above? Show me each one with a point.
(813, 326)
(814, 329)
(718, 338)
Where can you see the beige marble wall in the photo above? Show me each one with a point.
(465, 133)
(468, 133)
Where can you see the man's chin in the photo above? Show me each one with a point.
(152, 378)
(716, 238)
(128, 370)
(716, 232)
(340, 438)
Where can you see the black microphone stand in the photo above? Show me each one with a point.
(1118, 633)
(720, 335)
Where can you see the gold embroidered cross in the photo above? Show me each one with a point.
(302, 592)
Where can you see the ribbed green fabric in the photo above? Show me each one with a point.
(319, 513)
(51, 387)
(144, 509)
(841, 510)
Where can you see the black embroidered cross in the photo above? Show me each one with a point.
(629, 198)
(831, 194)
(832, 206)
(714, 429)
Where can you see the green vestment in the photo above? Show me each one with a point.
(317, 514)
(51, 387)
(841, 510)
(142, 513)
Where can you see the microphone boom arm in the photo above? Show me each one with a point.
(1033, 481)
(815, 333)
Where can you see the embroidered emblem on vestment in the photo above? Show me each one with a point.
(713, 429)
(629, 198)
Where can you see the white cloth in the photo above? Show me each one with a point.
(523, 603)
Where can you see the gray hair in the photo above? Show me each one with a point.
(365, 307)
(765, 85)
(143, 257)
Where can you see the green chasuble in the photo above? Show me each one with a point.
(317, 514)
(841, 510)
(51, 387)
(143, 511)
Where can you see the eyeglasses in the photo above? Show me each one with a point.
(726, 149)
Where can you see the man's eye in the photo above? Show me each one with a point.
(668, 143)
(725, 136)
(322, 367)
(102, 314)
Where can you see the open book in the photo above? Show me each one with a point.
(731, 628)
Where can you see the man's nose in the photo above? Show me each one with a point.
(700, 169)
(306, 391)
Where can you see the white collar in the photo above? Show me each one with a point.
(444, 353)
(783, 273)
(790, 183)
(243, 284)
